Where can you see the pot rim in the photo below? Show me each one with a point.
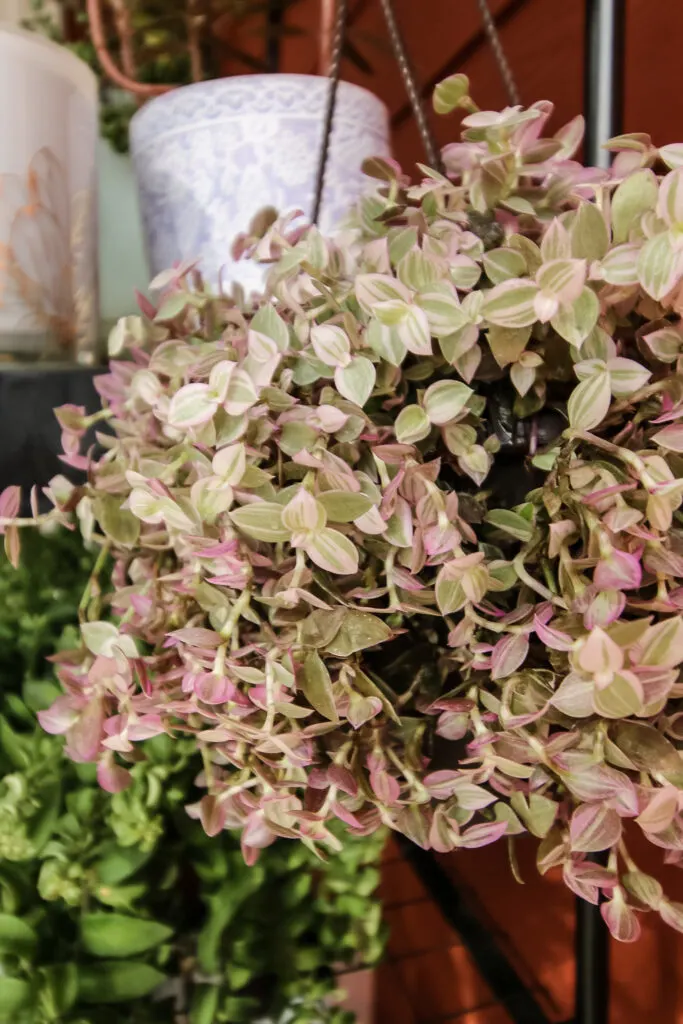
(218, 85)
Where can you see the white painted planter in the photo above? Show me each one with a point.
(48, 217)
(209, 156)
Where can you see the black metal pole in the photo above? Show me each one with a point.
(592, 962)
(603, 76)
(274, 17)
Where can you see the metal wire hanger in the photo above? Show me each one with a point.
(334, 19)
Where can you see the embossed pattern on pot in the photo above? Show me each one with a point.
(210, 156)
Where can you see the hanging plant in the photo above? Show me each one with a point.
(319, 573)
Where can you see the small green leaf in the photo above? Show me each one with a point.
(15, 995)
(589, 234)
(332, 551)
(344, 506)
(261, 520)
(316, 686)
(16, 936)
(268, 322)
(358, 630)
(114, 981)
(450, 93)
(117, 935)
(204, 1004)
(589, 402)
(510, 522)
(118, 524)
(412, 425)
(444, 400)
(356, 381)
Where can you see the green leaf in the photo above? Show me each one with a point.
(344, 506)
(442, 308)
(510, 522)
(117, 982)
(204, 1004)
(118, 524)
(117, 863)
(316, 686)
(16, 936)
(618, 700)
(15, 995)
(332, 551)
(450, 93)
(450, 595)
(261, 520)
(15, 747)
(589, 234)
(511, 304)
(268, 322)
(589, 402)
(117, 935)
(356, 381)
(412, 425)
(358, 631)
(503, 265)
(59, 990)
(575, 322)
(635, 196)
(658, 265)
(444, 400)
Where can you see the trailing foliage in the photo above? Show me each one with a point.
(118, 907)
(318, 574)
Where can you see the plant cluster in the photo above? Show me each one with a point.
(118, 907)
(318, 574)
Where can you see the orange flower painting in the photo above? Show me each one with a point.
(47, 266)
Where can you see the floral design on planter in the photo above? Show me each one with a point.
(46, 270)
(209, 156)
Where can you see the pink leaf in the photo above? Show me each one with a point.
(112, 777)
(660, 810)
(553, 638)
(481, 835)
(594, 827)
(508, 654)
(620, 571)
(620, 919)
(212, 815)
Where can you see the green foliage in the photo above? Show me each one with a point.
(108, 898)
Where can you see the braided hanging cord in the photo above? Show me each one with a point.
(334, 72)
(408, 77)
(499, 53)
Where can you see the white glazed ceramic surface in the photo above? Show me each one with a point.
(48, 229)
(210, 156)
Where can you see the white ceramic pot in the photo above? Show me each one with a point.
(209, 156)
(48, 219)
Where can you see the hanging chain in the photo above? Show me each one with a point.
(334, 72)
(408, 77)
(499, 53)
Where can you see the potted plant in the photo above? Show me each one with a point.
(211, 155)
(317, 572)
